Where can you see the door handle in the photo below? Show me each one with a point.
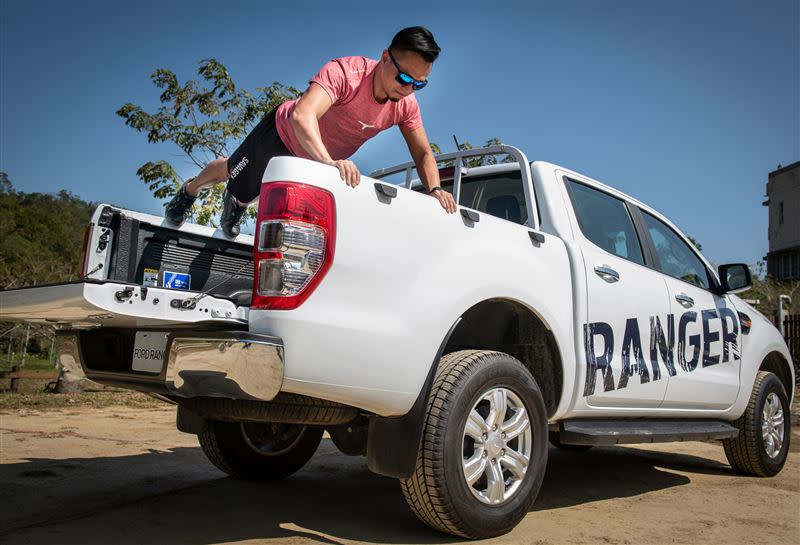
(606, 273)
(684, 299)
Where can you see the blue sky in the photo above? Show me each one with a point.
(686, 105)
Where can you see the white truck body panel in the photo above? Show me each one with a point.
(397, 285)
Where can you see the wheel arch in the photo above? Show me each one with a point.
(506, 325)
(776, 363)
(491, 324)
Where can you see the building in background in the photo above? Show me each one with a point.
(783, 200)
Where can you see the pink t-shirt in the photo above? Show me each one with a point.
(355, 115)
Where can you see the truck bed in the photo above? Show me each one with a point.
(141, 272)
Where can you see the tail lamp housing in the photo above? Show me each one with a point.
(294, 245)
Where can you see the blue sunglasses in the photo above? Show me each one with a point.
(403, 78)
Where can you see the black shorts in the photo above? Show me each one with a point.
(247, 164)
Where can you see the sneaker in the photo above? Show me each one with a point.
(231, 215)
(177, 210)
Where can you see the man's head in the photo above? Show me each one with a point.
(406, 64)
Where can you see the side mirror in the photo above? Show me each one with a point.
(735, 277)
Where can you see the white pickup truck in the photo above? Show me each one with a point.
(448, 349)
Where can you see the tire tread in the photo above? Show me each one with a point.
(743, 451)
(422, 490)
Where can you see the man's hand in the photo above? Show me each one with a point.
(348, 171)
(446, 200)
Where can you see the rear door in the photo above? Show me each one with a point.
(627, 305)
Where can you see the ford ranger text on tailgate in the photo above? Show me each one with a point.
(447, 349)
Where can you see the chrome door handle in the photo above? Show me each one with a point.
(684, 299)
(606, 273)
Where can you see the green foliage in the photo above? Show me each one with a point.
(41, 236)
(766, 293)
(41, 242)
(472, 162)
(202, 119)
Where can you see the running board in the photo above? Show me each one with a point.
(617, 432)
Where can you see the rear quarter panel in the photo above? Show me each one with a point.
(403, 272)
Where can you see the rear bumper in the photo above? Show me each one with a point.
(229, 364)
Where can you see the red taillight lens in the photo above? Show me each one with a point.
(87, 236)
(295, 240)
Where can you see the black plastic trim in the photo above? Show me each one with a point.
(386, 190)
(470, 215)
(536, 237)
(393, 442)
(618, 432)
(651, 260)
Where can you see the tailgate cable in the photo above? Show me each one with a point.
(190, 302)
(90, 273)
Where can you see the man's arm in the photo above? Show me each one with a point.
(305, 122)
(420, 150)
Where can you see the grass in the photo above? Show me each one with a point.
(32, 363)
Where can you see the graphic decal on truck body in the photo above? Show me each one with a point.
(662, 347)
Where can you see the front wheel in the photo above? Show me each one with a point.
(251, 450)
(764, 430)
(484, 447)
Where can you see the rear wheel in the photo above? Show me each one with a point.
(259, 450)
(484, 447)
(764, 430)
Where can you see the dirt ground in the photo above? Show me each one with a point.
(114, 474)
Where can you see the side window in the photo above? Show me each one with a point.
(500, 195)
(605, 221)
(675, 256)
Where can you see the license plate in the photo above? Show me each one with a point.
(148, 351)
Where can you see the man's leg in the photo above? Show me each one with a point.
(214, 172)
(246, 167)
(178, 208)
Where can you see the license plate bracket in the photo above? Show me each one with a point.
(149, 351)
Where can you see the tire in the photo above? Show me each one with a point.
(259, 451)
(555, 440)
(286, 408)
(438, 491)
(750, 452)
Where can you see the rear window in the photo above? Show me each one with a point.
(500, 195)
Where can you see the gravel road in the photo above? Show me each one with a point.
(126, 476)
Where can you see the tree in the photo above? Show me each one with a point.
(41, 241)
(766, 292)
(202, 120)
(696, 244)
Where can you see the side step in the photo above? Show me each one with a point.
(617, 432)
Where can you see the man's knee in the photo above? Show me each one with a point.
(220, 167)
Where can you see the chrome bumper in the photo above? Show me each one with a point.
(236, 365)
(229, 364)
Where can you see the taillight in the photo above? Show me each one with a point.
(87, 236)
(294, 243)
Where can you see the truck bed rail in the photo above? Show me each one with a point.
(460, 170)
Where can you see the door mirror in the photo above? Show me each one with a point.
(735, 277)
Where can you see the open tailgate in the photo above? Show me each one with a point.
(112, 304)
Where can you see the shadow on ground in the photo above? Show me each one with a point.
(178, 497)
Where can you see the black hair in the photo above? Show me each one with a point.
(417, 39)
